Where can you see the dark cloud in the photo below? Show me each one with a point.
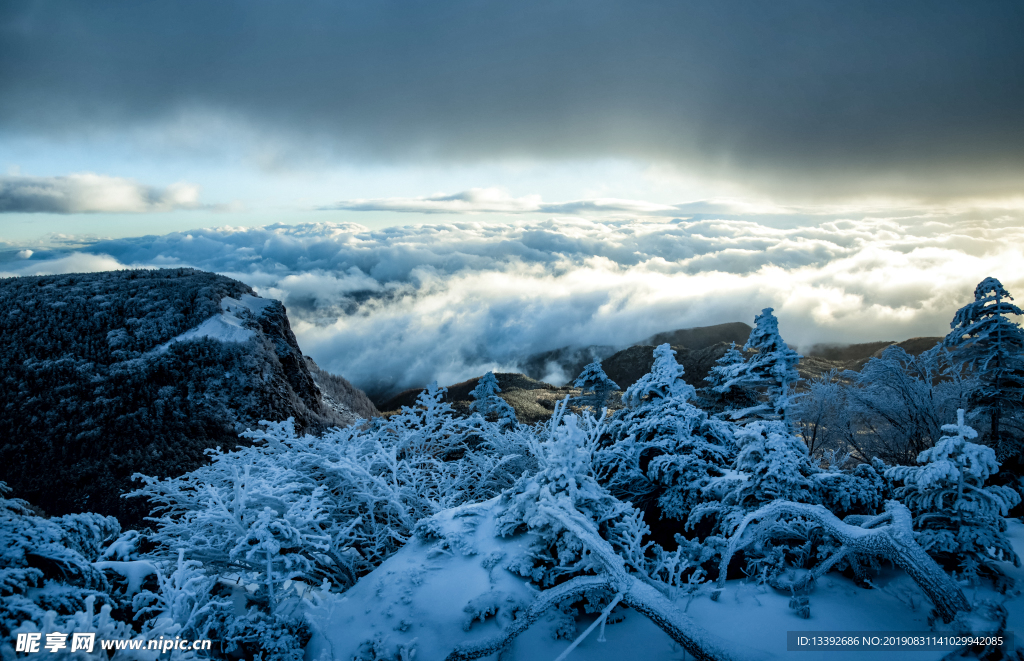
(91, 193)
(397, 308)
(813, 96)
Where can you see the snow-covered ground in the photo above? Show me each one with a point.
(426, 596)
(756, 619)
(228, 326)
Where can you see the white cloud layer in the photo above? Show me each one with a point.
(91, 193)
(398, 307)
(496, 200)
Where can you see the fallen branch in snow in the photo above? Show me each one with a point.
(636, 593)
(596, 623)
(701, 644)
(894, 542)
(641, 595)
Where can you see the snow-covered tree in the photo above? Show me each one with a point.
(992, 344)
(724, 391)
(332, 507)
(663, 382)
(958, 519)
(771, 464)
(777, 466)
(822, 415)
(48, 581)
(859, 491)
(245, 514)
(559, 529)
(774, 364)
(564, 482)
(488, 404)
(594, 381)
(293, 511)
(585, 538)
(898, 402)
(771, 372)
(666, 451)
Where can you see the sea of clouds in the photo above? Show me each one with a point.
(399, 307)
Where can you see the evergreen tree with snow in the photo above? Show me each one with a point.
(593, 380)
(776, 466)
(663, 382)
(958, 519)
(992, 344)
(772, 464)
(723, 393)
(488, 404)
(668, 454)
(770, 372)
(774, 364)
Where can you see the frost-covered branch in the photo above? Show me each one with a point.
(895, 542)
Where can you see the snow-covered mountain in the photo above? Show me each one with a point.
(108, 374)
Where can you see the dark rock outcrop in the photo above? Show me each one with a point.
(109, 374)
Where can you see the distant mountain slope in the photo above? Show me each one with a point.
(632, 362)
(703, 337)
(532, 400)
(854, 353)
(627, 366)
(108, 374)
(696, 349)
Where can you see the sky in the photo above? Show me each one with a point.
(438, 188)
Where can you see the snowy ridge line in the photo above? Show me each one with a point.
(229, 325)
(895, 542)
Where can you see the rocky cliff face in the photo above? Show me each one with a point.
(108, 374)
(344, 399)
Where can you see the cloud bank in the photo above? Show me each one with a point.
(920, 97)
(399, 307)
(496, 200)
(91, 193)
